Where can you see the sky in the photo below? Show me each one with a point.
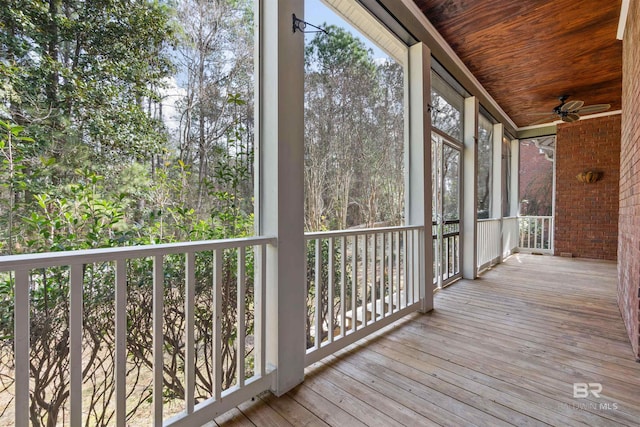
(316, 13)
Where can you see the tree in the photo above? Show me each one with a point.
(334, 114)
(84, 80)
(444, 115)
(215, 55)
(84, 74)
(354, 134)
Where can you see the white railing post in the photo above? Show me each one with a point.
(21, 342)
(514, 210)
(260, 257)
(189, 333)
(217, 323)
(280, 196)
(418, 168)
(121, 342)
(158, 339)
(470, 188)
(76, 280)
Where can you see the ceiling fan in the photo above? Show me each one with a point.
(570, 111)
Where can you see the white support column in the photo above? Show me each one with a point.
(418, 165)
(281, 193)
(496, 168)
(496, 181)
(515, 178)
(470, 189)
(552, 243)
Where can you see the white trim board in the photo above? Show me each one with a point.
(622, 22)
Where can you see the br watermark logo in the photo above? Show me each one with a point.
(582, 390)
(590, 390)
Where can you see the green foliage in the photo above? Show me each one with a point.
(338, 51)
(77, 218)
(83, 69)
(91, 212)
(12, 179)
(88, 161)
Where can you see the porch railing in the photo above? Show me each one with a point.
(510, 236)
(359, 281)
(489, 244)
(447, 254)
(536, 233)
(187, 319)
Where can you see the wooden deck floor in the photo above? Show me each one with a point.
(505, 349)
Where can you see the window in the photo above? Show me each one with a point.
(536, 176)
(354, 127)
(485, 169)
(506, 177)
(446, 107)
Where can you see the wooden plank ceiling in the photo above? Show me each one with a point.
(527, 53)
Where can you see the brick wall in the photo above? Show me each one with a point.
(586, 221)
(629, 234)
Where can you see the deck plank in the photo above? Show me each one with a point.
(355, 382)
(452, 403)
(232, 418)
(326, 410)
(357, 403)
(505, 349)
(262, 415)
(297, 414)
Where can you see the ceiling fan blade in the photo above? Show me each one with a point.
(596, 108)
(570, 118)
(572, 105)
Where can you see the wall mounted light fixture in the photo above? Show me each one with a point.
(589, 177)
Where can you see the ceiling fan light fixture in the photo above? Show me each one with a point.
(570, 112)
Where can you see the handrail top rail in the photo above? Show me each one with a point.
(447, 222)
(515, 217)
(451, 221)
(359, 231)
(87, 256)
